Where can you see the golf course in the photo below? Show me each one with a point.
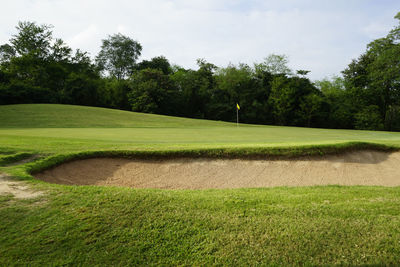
(94, 186)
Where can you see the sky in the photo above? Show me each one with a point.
(322, 36)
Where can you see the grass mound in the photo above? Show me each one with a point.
(70, 116)
(14, 158)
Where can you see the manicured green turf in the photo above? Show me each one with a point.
(89, 225)
(26, 127)
(69, 116)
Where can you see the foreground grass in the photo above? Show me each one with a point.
(88, 225)
(285, 226)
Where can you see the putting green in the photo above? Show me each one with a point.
(63, 128)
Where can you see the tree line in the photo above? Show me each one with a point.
(35, 67)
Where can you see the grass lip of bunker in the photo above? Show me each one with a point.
(366, 167)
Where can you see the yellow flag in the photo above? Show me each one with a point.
(237, 105)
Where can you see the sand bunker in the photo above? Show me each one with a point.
(353, 168)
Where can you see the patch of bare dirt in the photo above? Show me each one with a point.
(16, 188)
(353, 168)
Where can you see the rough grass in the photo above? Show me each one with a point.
(89, 225)
(282, 226)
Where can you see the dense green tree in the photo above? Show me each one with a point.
(282, 100)
(294, 100)
(374, 80)
(152, 92)
(7, 52)
(338, 107)
(36, 62)
(195, 89)
(238, 84)
(274, 64)
(309, 107)
(32, 39)
(158, 63)
(302, 73)
(187, 85)
(368, 118)
(118, 55)
(232, 80)
(118, 91)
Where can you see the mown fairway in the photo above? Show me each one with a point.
(63, 128)
(91, 225)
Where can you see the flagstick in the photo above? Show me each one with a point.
(237, 117)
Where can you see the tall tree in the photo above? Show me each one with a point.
(158, 63)
(374, 77)
(338, 104)
(152, 92)
(118, 55)
(274, 64)
(195, 87)
(40, 68)
(7, 52)
(32, 39)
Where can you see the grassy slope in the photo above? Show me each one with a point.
(69, 116)
(89, 225)
(54, 128)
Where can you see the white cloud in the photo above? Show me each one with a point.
(84, 38)
(377, 29)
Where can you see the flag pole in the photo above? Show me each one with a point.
(237, 116)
